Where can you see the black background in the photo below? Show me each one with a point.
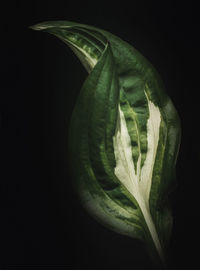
(42, 224)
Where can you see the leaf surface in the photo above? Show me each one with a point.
(124, 136)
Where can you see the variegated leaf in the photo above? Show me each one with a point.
(124, 136)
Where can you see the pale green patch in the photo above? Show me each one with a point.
(91, 61)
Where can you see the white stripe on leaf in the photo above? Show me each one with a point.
(138, 183)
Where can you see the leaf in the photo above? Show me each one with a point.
(124, 137)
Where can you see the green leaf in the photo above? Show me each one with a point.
(124, 137)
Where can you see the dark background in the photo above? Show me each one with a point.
(42, 224)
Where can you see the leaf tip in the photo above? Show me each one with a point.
(38, 26)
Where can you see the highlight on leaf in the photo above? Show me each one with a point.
(124, 137)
